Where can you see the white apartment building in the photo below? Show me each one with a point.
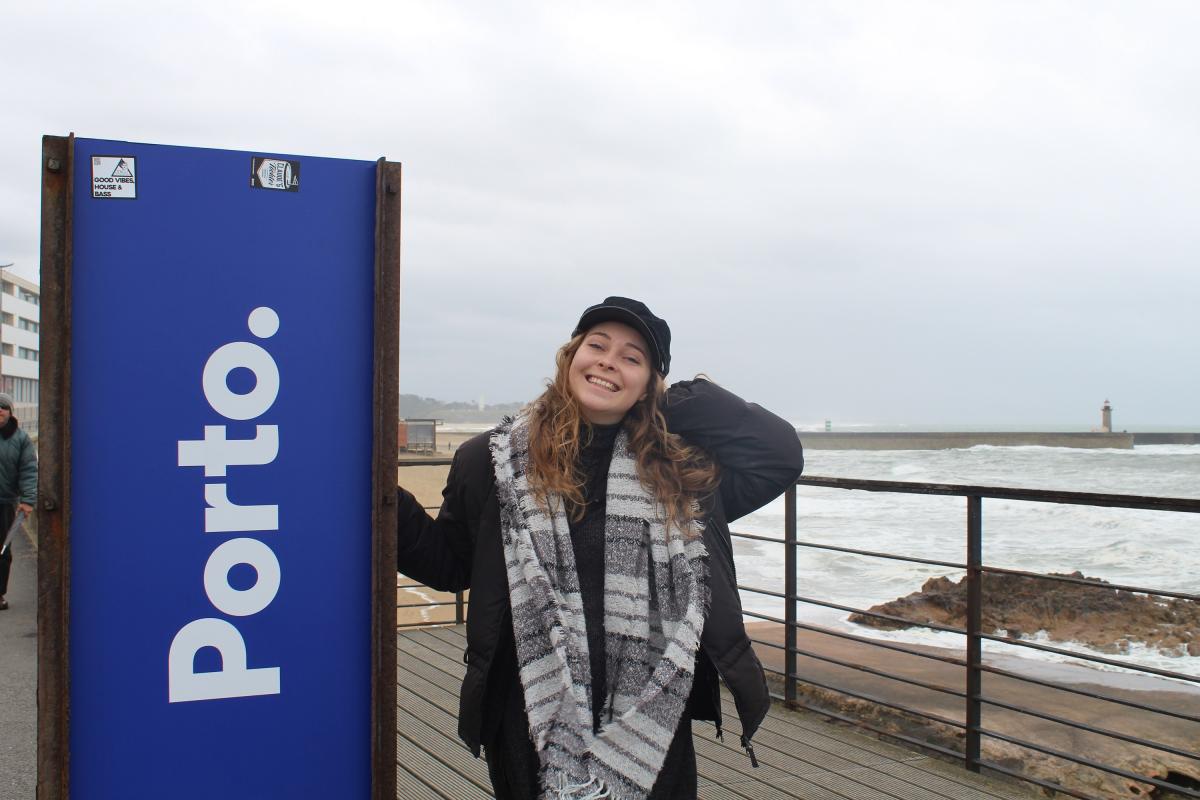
(20, 309)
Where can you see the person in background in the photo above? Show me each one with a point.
(592, 530)
(18, 482)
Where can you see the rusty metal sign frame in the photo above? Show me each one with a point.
(54, 500)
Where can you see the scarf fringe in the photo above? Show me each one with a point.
(595, 788)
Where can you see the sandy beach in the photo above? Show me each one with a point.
(426, 483)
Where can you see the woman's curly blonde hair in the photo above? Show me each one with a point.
(674, 472)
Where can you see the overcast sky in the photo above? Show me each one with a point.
(938, 212)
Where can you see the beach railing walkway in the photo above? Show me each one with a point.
(1114, 743)
(800, 754)
(1167, 764)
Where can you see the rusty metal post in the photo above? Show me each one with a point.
(789, 590)
(383, 506)
(974, 711)
(54, 489)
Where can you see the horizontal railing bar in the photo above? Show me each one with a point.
(946, 751)
(869, 698)
(433, 604)
(1045, 648)
(879, 554)
(1057, 787)
(1097, 584)
(757, 538)
(825, 604)
(958, 662)
(861, 668)
(1085, 693)
(1083, 726)
(1087, 762)
(1186, 504)
(432, 461)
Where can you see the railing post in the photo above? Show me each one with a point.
(459, 612)
(789, 589)
(974, 623)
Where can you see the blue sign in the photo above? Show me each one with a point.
(221, 395)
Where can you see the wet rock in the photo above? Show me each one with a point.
(1095, 614)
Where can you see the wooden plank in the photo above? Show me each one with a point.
(452, 651)
(800, 754)
(437, 695)
(409, 786)
(957, 783)
(447, 782)
(447, 749)
(765, 782)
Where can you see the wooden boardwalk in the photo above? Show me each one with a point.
(800, 755)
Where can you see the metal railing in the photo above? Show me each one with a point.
(973, 698)
(459, 600)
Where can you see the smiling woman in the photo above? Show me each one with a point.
(609, 372)
(592, 530)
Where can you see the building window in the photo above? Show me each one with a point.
(7, 349)
(23, 390)
(7, 318)
(26, 353)
(29, 297)
(9, 288)
(26, 324)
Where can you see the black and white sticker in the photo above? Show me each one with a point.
(114, 177)
(275, 173)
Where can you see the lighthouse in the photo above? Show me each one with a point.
(1106, 417)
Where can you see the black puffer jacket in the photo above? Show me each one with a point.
(759, 456)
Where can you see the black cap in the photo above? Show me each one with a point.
(634, 314)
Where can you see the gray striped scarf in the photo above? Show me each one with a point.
(655, 602)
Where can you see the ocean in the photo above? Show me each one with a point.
(1153, 549)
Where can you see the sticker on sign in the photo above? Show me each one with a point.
(114, 177)
(275, 173)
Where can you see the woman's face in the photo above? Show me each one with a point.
(610, 372)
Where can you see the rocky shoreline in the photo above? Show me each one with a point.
(1104, 618)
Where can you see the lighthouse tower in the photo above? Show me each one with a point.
(1106, 417)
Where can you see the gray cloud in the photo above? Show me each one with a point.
(917, 212)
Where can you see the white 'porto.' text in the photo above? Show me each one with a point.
(215, 453)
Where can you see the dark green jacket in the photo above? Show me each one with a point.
(18, 469)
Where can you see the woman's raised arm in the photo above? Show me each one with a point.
(759, 453)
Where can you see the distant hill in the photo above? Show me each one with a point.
(416, 407)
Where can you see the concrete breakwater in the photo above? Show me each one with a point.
(1166, 438)
(954, 440)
